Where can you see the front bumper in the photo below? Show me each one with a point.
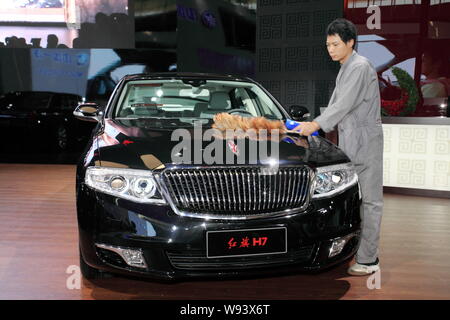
(174, 247)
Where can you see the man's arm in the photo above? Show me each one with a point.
(351, 94)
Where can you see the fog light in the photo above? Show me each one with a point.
(337, 247)
(132, 257)
(338, 244)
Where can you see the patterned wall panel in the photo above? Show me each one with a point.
(270, 60)
(417, 156)
(298, 25)
(297, 59)
(274, 87)
(296, 92)
(323, 89)
(290, 48)
(270, 27)
(321, 19)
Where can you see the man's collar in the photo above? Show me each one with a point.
(349, 58)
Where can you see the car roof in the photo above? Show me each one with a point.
(47, 92)
(186, 75)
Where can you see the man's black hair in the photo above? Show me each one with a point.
(344, 28)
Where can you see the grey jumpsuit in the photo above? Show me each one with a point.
(355, 108)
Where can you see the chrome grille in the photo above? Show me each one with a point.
(237, 191)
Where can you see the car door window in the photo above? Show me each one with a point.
(244, 101)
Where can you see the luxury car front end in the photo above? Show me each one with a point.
(141, 213)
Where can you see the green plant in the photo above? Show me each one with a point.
(407, 83)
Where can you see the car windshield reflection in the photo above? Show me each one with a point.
(178, 102)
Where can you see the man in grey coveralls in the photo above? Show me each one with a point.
(355, 108)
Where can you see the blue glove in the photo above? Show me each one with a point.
(288, 140)
(291, 125)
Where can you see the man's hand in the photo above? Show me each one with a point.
(307, 128)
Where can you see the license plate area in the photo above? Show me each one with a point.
(246, 242)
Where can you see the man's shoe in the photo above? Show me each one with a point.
(360, 269)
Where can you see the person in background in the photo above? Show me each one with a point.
(354, 108)
(52, 41)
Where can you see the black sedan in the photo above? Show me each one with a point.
(40, 120)
(159, 195)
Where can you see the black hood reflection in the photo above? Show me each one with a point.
(159, 143)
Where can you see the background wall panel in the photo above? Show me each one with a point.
(291, 57)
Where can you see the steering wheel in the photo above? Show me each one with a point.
(239, 111)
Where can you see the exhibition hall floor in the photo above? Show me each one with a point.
(39, 249)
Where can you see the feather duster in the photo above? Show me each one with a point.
(225, 121)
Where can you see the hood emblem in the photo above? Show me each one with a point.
(233, 147)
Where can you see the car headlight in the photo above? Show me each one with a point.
(331, 180)
(131, 184)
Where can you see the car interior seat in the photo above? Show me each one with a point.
(199, 108)
(218, 102)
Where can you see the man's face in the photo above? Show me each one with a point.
(338, 49)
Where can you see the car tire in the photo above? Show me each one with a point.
(91, 273)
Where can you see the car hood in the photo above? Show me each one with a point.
(145, 144)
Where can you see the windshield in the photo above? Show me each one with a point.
(188, 101)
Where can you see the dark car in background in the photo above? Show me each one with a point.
(142, 212)
(41, 120)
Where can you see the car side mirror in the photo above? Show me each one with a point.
(88, 112)
(299, 113)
